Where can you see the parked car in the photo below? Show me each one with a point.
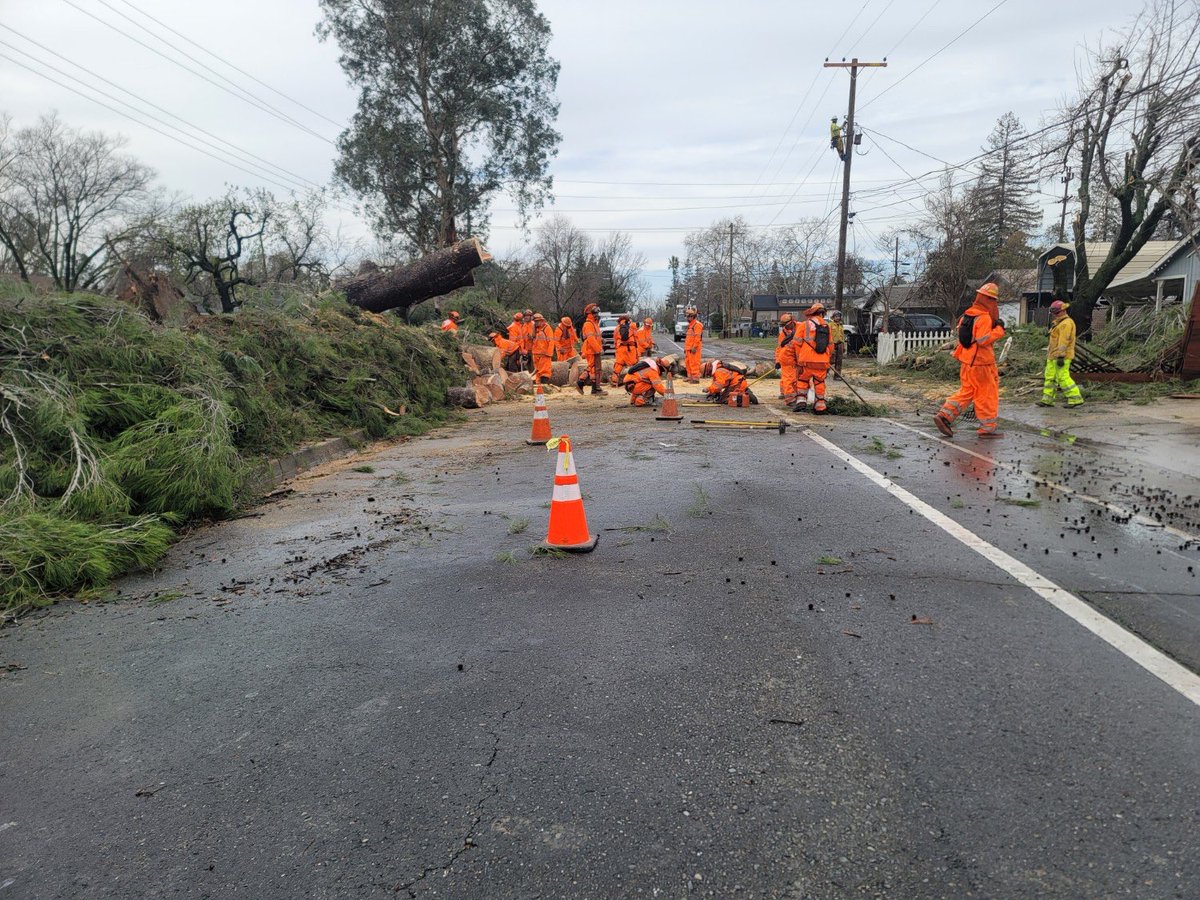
(681, 329)
(608, 325)
(914, 322)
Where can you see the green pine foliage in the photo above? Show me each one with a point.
(114, 431)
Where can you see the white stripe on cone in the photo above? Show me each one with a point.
(566, 492)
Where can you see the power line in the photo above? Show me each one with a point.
(934, 55)
(879, 133)
(231, 65)
(300, 180)
(244, 96)
(126, 115)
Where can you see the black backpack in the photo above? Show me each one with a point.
(966, 331)
(821, 338)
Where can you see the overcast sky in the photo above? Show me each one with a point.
(674, 114)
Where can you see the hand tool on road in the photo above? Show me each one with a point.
(733, 425)
(838, 373)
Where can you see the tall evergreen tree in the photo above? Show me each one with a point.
(1006, 190)
(456, 101)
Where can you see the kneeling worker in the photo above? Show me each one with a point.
(644, 379)
(729, 384)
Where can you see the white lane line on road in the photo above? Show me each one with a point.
(1152, 660)
(1054, 485)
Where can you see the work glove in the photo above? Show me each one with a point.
(1000, 324)
(1060, 362)
(778, 366)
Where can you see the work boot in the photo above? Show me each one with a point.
(1046, 403)
(799, 407)
(1074, 404)
(579, 387)
(693, 380)
(943, 425)
(991, 434)
(596, 389)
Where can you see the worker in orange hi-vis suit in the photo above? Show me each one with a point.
(511, 360)
(645, 338)
(811, 352)
(451, 322)
(729, 384)
(527, 339)
(516, 332)
(785, 359)
(593, 350)
(978, 330)
(543, 349)
(564, 339)
(625, 346)
(693, 346)
(644, 379)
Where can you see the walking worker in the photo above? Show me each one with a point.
(978, 330)
(564, 339)
(811, 352)
(837, 337)
(543, 349)
(645, 338)
(785, 361)
(729, 384)
(693, 346)
(1058, 358)
(625, 346)
(451, 322)
(511, 360)
(593, 350)
(644, 379)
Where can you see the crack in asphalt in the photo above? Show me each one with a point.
(468, 840)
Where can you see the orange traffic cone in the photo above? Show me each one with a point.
(568, 529)
(670, 409)
(540, 433)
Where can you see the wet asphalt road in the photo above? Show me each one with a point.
(356, 694)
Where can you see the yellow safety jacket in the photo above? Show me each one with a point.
(1062, 338)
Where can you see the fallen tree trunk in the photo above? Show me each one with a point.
(432, 275)
(465, 397)
(486, 358)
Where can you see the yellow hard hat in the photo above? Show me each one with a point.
(991, 289)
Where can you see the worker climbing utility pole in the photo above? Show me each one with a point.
(854, 65)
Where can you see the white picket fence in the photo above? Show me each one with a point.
(889, 347)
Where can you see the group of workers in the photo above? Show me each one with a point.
(804, 353)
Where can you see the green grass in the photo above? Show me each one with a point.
(118, 431)
(507, 557)
(658, 525)
(829, 560)
(366, 470)
(957, 503)
(850, 407)
(552, 552)
(878, 448)
(700, 501)
(518, 526)
(1019, 501)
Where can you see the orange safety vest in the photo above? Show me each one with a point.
(515, 330)
(695, 336)
(645, 339)
(807, 351)
(542, 341)
(565, 337)
(449, 325)
(983, 335)
(506, 346)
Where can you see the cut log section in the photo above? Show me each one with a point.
(433, 275)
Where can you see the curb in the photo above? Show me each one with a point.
(276, 471)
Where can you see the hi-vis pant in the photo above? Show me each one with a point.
(980, 384)
(1058, 378)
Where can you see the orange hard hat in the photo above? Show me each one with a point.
(690, 311)
(591, 308)
(785, 319)
(991, 289)
(647, 321)
(816, 309)
(566, 320)
(454, 315)
(539, 316)
(516, 315)
(529, 312)
(492, 335)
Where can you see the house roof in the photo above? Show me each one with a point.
(1186, 243)
(1143, 262)
(897, 296)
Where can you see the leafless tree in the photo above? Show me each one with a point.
(66, 198)
(1133, 136)
(560, 252)
(951, 236)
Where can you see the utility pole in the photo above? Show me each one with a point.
(854, 65)
(1062, 222)
(725, 329)
(896, 263)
